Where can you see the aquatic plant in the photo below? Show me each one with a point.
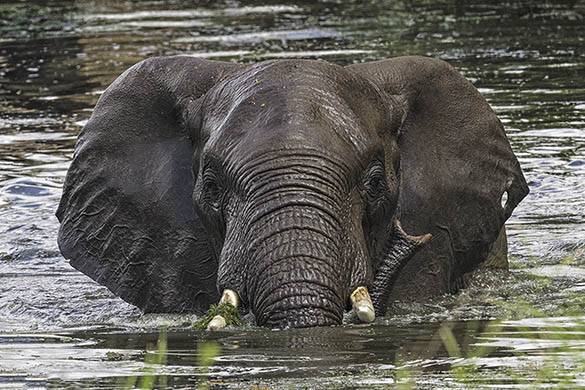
(207, 352)
(149, 379)
(561, 367)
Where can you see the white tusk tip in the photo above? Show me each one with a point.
(362, 305)
(231, 297)
(216, 323)
(365, 312)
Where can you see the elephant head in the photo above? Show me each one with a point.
(283, 184)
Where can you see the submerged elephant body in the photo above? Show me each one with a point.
(284, 182)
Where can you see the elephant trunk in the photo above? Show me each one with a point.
(299, 305)
(401, 249)
(295, 276)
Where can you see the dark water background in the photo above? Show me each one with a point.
(58, 328)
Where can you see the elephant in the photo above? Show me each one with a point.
(286, 187)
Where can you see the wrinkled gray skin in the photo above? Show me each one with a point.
(282, 180)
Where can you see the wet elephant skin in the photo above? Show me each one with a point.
(283, 181)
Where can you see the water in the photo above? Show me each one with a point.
(58, 328)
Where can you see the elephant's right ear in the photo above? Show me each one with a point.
(127, 218)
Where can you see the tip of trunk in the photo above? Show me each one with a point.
(301, 318)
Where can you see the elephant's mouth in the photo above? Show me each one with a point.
(307, 306)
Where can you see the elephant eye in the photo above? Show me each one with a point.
(212, 193)
(375, 181)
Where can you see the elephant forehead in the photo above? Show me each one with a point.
(283, 146)
(293, 104)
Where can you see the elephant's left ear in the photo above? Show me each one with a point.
(458, 174)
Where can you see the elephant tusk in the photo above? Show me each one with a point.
(362, 304)
(229, 297)
(216, 323)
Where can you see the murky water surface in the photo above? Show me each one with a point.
(59, 328)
